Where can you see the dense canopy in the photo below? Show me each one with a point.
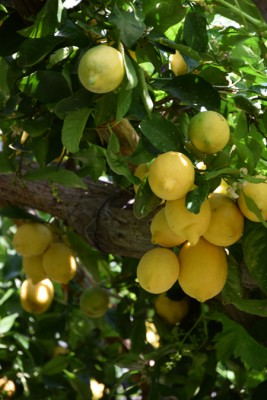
(80, 172)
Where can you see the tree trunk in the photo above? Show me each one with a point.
(101, 215)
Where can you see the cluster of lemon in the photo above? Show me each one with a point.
(44, 259)
(201, 265)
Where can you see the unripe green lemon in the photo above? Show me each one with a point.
(94, 302)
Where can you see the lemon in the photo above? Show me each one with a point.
(37, 298)
(140, 172)
(209, 132)
(185, 223)
(32, 239)
(172, 311)
(171, 175)
(158, 270)
(258, 193)
(222, 188)
(227, 221)
(101, 69)
(178, 64)
(94, 302)
(33, 268)
(161, 233)
(7, 388)
(59, 263)
(203, 269)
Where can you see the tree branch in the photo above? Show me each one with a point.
(101, 215)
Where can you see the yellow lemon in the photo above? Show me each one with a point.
(94, 302)
(227, 221)
(203, 269)
(161, 233)
(172, 311)
(37, 298)
(178, 64)
(7, 388)
(140, 172)
(258, 193)
(32, 239)
(101, 69)
(33, 268)
(59, 262)
(158, 270)
(171, 175)
(185, 223)
(209, 132)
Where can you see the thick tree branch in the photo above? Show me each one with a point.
(102, 214)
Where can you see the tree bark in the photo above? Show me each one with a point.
(101, 215)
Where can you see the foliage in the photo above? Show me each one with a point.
(219, 349)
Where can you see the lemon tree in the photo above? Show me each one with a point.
(133, 180)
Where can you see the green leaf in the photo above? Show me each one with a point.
(124, 102)
(162, 133)
(255, 249)
(39, 85)
(6, 165)
(132, 79)
(47, 21)
(193, 90)
(62, 176)
(116, 161)
(195, 198)
(94, 160)
(55, 366)
(15, 212)
(78, 100)
(6, 296)
(10, 39)
(195, 32)
(36, 126)
(73, 127)
(7, 323)
(163, 14)
(78, 385)
(233, 289)
(130, 25)
(145, 200)
(33, 51)
(235, 341)
(4, 88)
(255, 307)
(143, 90)
(90, 257)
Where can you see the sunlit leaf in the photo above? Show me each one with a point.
(73, 127)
